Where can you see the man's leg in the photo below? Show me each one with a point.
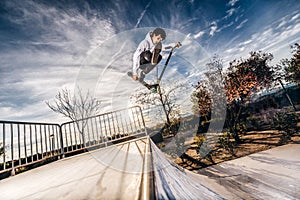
(146, 61)
(141, 75)
(156, 57)
(150, 66)
(145, 58)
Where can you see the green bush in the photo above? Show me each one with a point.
(225, 142)
(241, 128)
(286, 123)
(199, 140)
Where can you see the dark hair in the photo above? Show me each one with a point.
(160, 31)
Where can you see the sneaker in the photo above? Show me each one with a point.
(153, 88)
(129, 73)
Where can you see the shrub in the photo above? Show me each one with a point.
(286, 123)
(225, 142)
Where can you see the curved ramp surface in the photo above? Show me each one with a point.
(83, 176)
(174, 182)
(123, 171)
(137, 169)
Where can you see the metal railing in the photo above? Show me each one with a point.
(25, 143)
(101, 130)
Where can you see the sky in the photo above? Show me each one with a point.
(46, 46)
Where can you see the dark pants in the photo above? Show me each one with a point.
(145, 61)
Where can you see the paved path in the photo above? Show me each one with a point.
(271, 174)
(138, 170)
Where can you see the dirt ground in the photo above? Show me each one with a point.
(253, 142)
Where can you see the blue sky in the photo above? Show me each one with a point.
(45, 44)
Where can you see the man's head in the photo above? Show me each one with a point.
(158, 35)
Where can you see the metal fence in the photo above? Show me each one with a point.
(24, 143)
(102, 130)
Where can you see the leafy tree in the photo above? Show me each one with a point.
(201, 99)
(76, 107)
(209, 100)
(291, 66)
(290, 69)
(245, 77)
(286, 123)
(209, 89)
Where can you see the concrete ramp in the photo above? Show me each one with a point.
(123, 171)
(174, 182)
(137, 169)
(84, 176)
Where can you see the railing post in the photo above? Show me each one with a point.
(62, 152)
(13, 172)
(143, 120)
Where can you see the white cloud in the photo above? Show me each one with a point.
(69, 30)
(241, 24)
(241, 49)
(271, 39)
(213, 28)
(231, 50)
(246, 42)
(39, 67)
(295, 17)
(274, 38)
(230, 12)
(282, 23)
(232, 2)
(267, 33)
(198, 35)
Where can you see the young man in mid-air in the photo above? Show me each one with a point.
(147, 55)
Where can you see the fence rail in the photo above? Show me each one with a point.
(25, 143)
(102, 130)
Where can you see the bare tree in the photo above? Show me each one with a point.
(77, 107)
(164, 98)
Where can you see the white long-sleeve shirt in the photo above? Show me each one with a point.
(145, 45)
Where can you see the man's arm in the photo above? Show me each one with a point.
(166, 47)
